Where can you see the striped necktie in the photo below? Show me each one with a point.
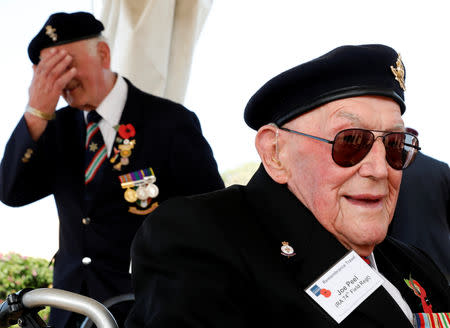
(366, 259)
(95, 147)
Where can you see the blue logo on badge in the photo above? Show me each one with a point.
(316, 290)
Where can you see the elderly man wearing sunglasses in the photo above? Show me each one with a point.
(304, 243)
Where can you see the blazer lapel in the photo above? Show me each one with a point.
(80, 139)
(380, 307)
(285, 218)
(392, 272)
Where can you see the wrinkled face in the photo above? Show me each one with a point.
(356, 204)
(88, 88)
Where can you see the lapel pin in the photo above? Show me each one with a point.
(420, 292)
(124, 145)
(286, 249)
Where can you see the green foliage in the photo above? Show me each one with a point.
(18, 272)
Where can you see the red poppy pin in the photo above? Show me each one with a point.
(125, 144)
(325, 292)
(126, 131)
(420, 292)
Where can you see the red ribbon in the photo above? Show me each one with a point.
(426, 305)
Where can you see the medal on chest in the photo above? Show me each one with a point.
(125, 143)
(140, 190)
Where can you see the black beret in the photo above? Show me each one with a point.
(347, 71)
(61, 28)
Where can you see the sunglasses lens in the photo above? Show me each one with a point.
(351, 146)
(400, 149)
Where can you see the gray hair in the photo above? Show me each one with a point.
(93, 42)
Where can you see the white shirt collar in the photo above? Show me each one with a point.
(393, 291)
(111, 108)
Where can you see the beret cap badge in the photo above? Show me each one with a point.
(51, 32)
(399, 72)
(62, 28)
(344, 72)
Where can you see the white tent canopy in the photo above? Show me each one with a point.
(152, 41)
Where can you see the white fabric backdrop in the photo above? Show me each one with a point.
(152, 41)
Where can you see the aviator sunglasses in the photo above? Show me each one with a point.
(350, 146)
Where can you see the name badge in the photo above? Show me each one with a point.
(344, 286)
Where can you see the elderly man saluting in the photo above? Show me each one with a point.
(304, 243)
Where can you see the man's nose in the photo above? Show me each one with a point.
(375, 164)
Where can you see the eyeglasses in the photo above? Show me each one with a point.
(350, 146)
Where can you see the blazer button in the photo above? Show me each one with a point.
(26, 157)
(86, 220)
(86, 260)
(28, 153)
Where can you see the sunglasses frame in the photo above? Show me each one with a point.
(386, 133)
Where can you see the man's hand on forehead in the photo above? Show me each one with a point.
(51, 75)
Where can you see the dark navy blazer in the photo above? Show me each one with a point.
(168, 139)
(214, 260)
(422, 216)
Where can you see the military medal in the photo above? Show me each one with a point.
(130, 195)
(152, 190)
(125, 145)
(140, 190)
(141, 193)
(428, 320)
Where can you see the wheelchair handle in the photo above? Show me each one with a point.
(69, 301)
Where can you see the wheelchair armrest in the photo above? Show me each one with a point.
(69, 301)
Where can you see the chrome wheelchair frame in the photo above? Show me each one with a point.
(22, 308)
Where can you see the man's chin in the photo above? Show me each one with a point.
(85, 107)
(73, 97)
(364, 240)
(72, 102)
(370, 241)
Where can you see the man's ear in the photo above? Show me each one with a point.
(105, 54)
(268, 145)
